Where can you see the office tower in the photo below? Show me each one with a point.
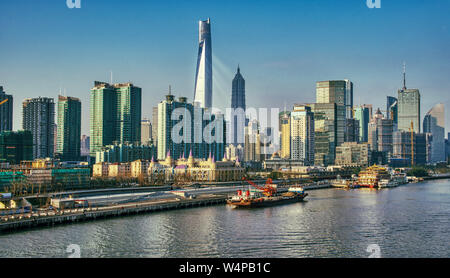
(408, 108)
(285, 126)
(16, 146)
(302, 134)
(238, 107)
(362, 115)
(6, 111)
(402, 147)
(68, 145)
(434, 123)
(191, 130)
(155, 125)
(325, 132)
(203, 76)
(348, 99)
(334, 92)
(115, 114)
(380, 134)
(392, 109)
(146, 131)
(85, 145)
(39, 118)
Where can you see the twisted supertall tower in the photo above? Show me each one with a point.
(203, 76)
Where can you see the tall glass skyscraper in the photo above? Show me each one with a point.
(238, 105)
(434, 123)
(68, 146)
(334, 92)
(203, 75)
(348, 99)
(408, 108)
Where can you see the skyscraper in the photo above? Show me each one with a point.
(334, 92)
(324, 132)
(115, 115)
(362, 114)
(6, 111)
(238, 120)
(392, 110)
(146, 131)
(434, 123)
(203, 76)
(302, 134)
(155, 125)
(39, 118)
(184, 129)
(285, 126)
(408, 108)
(68, 146)
(348, 99)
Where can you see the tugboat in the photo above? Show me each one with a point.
(266, 196)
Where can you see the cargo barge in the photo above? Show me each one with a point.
(266, 196)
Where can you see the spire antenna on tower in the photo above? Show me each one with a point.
(404, 76)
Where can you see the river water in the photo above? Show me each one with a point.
(407, 221)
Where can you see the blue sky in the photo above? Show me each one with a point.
(283, 48)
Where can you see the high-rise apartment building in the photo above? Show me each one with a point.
(184, 129)
(68, 146)
(203, 76)
(6, 111)
(434, 123)
(115, 115)
(302, 134)
(39, 118)
(252, 147)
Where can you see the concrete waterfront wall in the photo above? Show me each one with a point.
(87, 215)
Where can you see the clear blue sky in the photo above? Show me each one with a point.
(283, 48)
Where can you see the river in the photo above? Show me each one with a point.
(407, 221)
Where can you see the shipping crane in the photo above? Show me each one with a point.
(268, 190)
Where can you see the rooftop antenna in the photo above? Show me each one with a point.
(404, 76)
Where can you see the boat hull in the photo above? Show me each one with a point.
(258, 203)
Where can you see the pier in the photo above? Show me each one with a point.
(52, 218)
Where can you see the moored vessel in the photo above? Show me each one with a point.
(266, 196)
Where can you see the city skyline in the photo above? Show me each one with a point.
(293, 69)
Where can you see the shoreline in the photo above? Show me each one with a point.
(73, 216)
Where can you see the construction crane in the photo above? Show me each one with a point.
(268, 189)
(411, 129)
(3, 102)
